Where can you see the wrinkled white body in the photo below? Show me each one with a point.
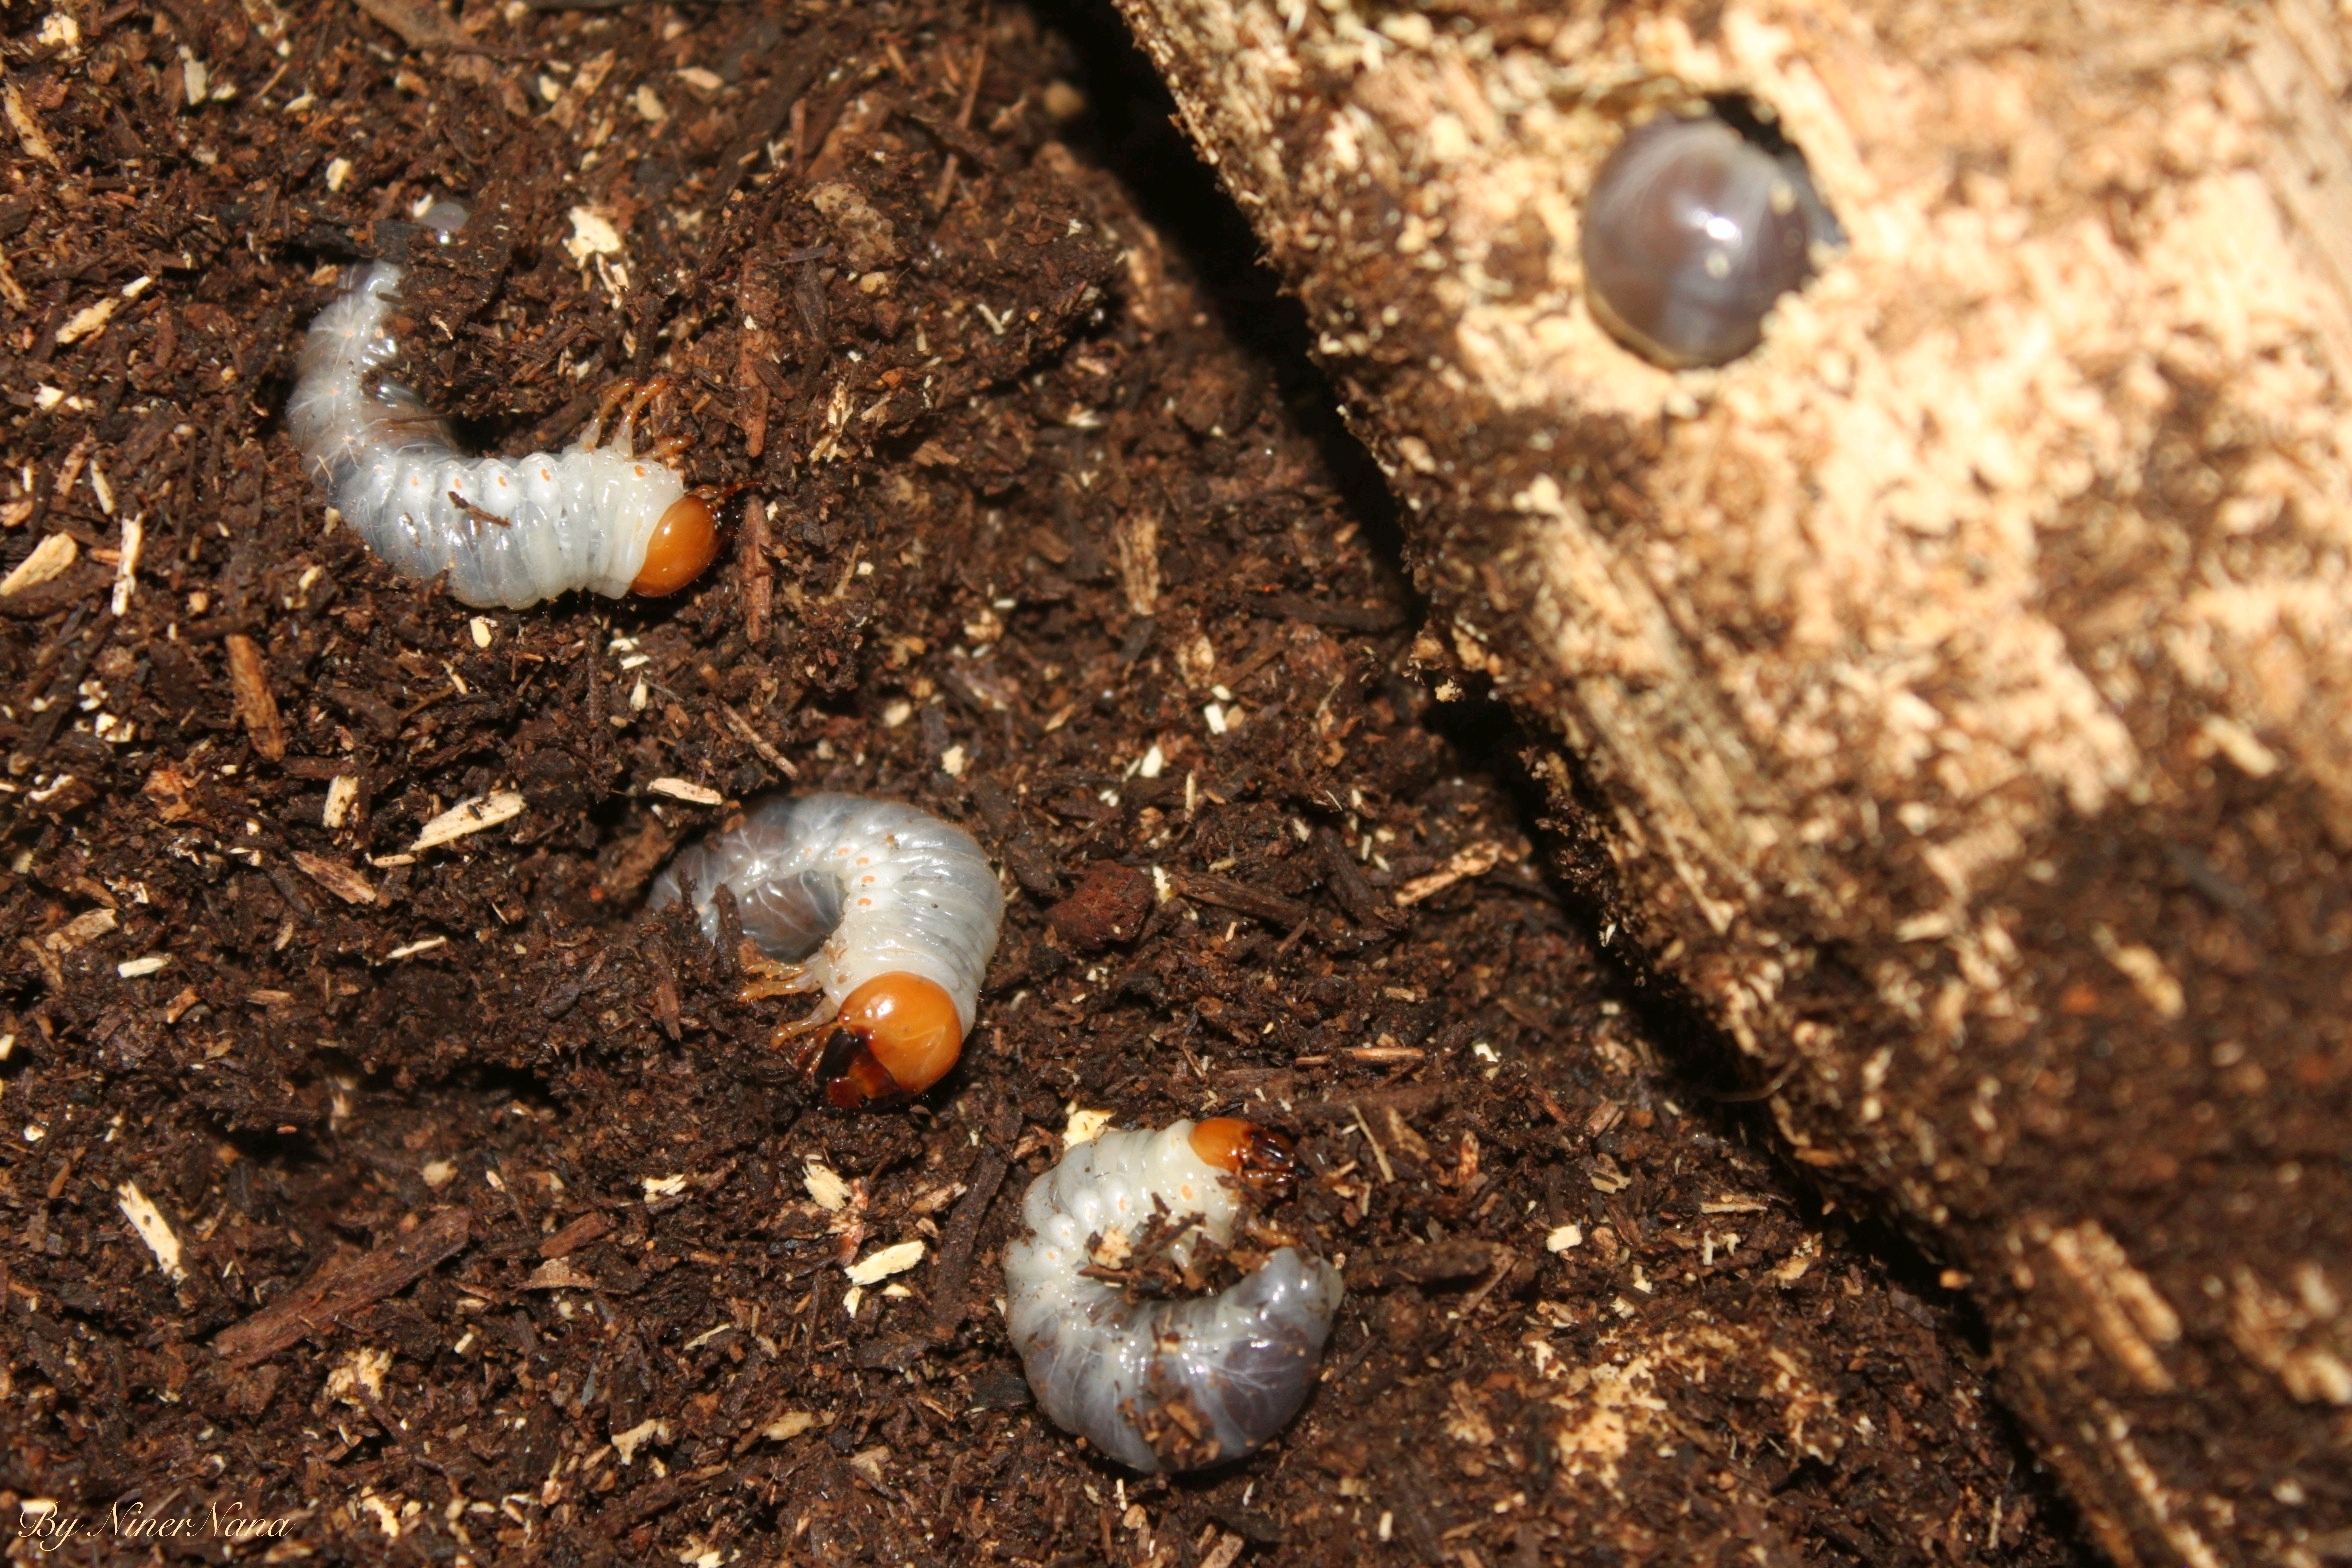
(579, 520)
(1246, 1358)
(854, 888)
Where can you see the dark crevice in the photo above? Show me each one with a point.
(1130, 129)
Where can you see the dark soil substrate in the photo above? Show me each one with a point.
(1039, 485)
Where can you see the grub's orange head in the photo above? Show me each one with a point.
(1256, 1156)
(684, 542)
(898, 1034)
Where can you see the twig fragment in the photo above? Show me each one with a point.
(1474, 861)
(751, 561)
(346, 1287)
(1379, 1155)
(751, 737)
(257, 709)
(1208, 888)
(951, 1272)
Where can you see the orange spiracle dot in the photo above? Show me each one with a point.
(903, 1036)
(1257, 1155)
(684, 542)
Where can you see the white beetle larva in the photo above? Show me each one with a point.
(889, 911)
(1215, 1376)
(507, 533)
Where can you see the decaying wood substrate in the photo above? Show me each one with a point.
(1960, 685)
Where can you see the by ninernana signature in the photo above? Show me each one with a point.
(50, 1527)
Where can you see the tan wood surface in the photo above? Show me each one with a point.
(1955, 694)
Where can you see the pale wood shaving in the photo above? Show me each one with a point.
(876, 1267)
(49, 558)
(336, 877)
(469, 817)
(153, 1229)
(692, 794)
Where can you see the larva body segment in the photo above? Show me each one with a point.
(1226, 1372)
(501, 532)
(888, 910)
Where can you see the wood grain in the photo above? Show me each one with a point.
(1954, 695)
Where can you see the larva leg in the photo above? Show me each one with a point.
(776, 979)
(803, 1038)
(626, 436)
(614, 395)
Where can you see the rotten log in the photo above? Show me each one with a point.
(1954, 694)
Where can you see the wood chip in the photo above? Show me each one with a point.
(153, 1229)
(420, 26)
(257, 710)
(80, 929)
(89, 322)
(28, 130)
(692, 794)
(1384, 1053)
(346, 1287)
(579, 1233)
(1208, 888)
(1379, 1155)
(336, 877)
(1407, 1100)
(557, 1274)
(826, 1187)
(469, 817)
(342, 791)
(1320, 612)
(788, 1426)
(876, 1267)
(872, 1465)
(172, 790)
(49, 558)
(1475, 861)
(1085, 1126)
(126, 564)
(627, 1443)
